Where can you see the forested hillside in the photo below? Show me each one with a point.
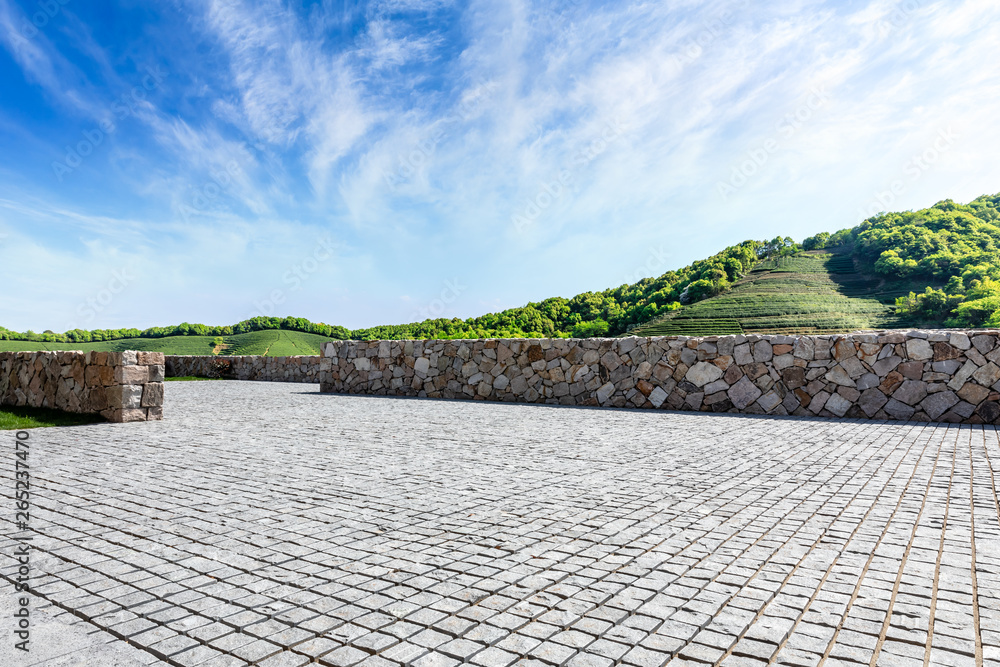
(610, 312)
(950, 249)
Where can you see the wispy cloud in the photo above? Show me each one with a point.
(26, 39)
(412, 132)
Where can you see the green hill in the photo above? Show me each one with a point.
(275, 343)
(809, 292)
(938, 266)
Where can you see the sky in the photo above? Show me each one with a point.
(389, 161)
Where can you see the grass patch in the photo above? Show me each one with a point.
(17, 418)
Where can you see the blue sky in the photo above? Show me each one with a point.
(384, 162)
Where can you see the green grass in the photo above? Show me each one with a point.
(16, 418)
(168, 345)
(811, 292)
(274, 343)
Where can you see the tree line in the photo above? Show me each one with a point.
(183, 329)
(607, 313)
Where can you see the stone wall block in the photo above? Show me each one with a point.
(959, 340)
(152, 395)
(150, 358)
(125, 395)
(910, 392)
(918, 349)
(984, 343)
(988, 375)
(938, 403)
(106, 383)
(912, 370)
(132, 375)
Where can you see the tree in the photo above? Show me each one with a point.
(733, 268)
(698, 290)
(817, 242)
(592, 329)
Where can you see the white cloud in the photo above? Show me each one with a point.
(359, 120)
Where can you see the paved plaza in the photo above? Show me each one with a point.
(269, 524)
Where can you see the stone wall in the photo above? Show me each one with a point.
(267, 369)
(921, 375)
(120, 386)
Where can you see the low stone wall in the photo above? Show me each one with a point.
(920, 375)
(120, 386)
(266, 369)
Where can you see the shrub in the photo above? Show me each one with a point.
(592, 329)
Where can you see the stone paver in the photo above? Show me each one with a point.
(269, 524)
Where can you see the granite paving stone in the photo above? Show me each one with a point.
(266, 523)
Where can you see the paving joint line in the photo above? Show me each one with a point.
(760, 568)
(940, 554)
(871, 557)
(760, 613)
(902, 562)
(972, 544)
(829, 569)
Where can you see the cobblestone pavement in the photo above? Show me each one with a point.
(268, 524)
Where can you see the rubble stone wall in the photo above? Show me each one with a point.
(946, 376)
(266, 369)
(120, 386)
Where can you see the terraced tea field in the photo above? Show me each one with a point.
(811, 292)
(273, 343)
